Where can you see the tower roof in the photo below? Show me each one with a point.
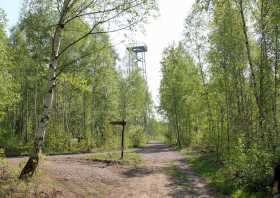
(138, 49)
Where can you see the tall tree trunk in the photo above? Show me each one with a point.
(263, 114)
(35, 106)
(249, 57)
(257, 92)
(275, 122)
(26, 118)
(227, 102)
(228, 129)
(40, 132)
(178, 141)
(84, 112)
(14, 121)
(206, 93)
(221, 131)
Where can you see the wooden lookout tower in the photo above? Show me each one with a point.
(137, 58)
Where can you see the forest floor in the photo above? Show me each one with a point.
(163, 172)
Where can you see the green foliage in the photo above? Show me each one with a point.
(234, 116)
(179, 91)
(12, 146)
(251, 168)
(135, 107)
(10, 186)
(58, 143)
(175, 172)
(207, 166)
(7, 90)
(158, 130)
(2, 152)
(221, 178)
(137, 137)
(87, 95)
(231, 110)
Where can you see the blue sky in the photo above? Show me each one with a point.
(160, 33)
(12, 10)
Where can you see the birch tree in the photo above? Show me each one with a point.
(103, 16)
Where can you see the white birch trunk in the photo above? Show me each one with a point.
(40, 132)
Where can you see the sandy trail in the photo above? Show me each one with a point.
(156, 177)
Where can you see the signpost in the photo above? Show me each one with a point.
(123, 124)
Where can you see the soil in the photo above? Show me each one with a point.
(163, 173)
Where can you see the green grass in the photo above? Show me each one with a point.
(205, 165)
(11, 186)
(130, 158)
(2, 152)
(177, 173)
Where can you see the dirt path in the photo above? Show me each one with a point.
(163, 173)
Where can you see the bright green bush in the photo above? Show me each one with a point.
(137, 137)
(2, 152)
(251, 168)
(13, 146)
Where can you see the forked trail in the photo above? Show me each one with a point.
(163, 173)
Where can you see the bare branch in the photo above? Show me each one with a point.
(100, 32)
(63, 67)
(80, 11)
(90, 13)
(58, 6)
(116, 30)
(78, 40)
(81, 14)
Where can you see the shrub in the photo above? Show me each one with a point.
(2, 152)
(251, 169)
(12, 146)
(137, 137)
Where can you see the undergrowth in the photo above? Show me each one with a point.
(12, 187)
(219, 177)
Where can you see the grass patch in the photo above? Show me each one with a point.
(10, 186)
(130, 158)
(179, 178)
(177, 173)
(206, 166)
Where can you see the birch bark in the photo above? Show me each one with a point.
(40, 132)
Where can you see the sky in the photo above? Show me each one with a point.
(160, 32)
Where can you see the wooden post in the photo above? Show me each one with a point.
(122, 148)
(123, 124)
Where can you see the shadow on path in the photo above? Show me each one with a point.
(155, 148)
(181, 180)
(185, 183)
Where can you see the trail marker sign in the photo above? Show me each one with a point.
(123, 124)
